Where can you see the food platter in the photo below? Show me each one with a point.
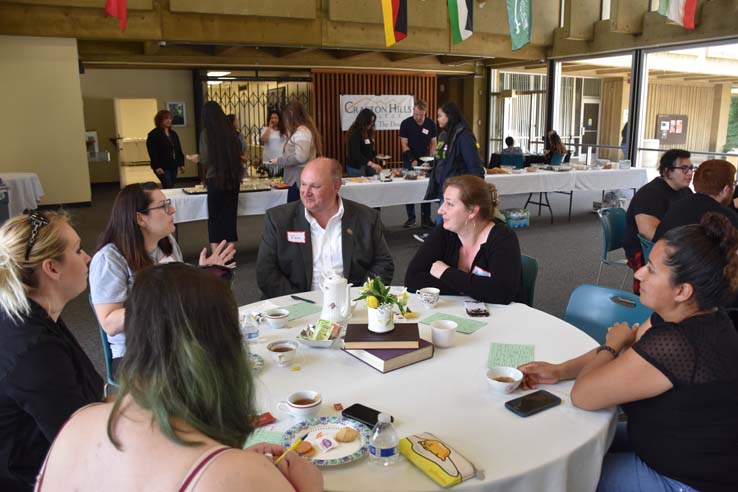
(346, 452)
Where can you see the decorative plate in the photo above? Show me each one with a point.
(317, 343)
(427, 159)
(345, 453)
(257, 363)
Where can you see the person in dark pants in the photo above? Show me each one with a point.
(220, 156)
(418, 139)
(165, 152)
(45, 376)
(361, 151)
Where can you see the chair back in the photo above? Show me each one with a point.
(107, 353)
(515, 160)
(646, 247)
(556, 159)
(530, 273)
(593, 309)
(613, 229)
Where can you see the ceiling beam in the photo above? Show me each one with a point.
(343, 54)
(281, 52)
(225, 49)
(609, 71)
(725, 80)
(579, 67)
(672, 75)
(395, 56)
(151, 47)
(457, 60)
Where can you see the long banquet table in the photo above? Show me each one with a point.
(399, 191)
(560, 449)
(24, 191)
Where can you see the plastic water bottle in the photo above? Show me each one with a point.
(251, 333)
(383, 445)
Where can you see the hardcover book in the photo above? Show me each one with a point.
(386, 360)
(404, 336)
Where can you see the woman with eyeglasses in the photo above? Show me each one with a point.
(652, 201)
(138, 234)
(45, 376)
(361, 152)
(675, 375)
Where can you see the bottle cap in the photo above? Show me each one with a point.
(384, 418)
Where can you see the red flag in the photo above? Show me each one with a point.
(117, 9)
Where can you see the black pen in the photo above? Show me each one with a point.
(298, 298)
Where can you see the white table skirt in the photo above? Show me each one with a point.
(558, 450)
(195, 207)
(610, 179)
(24, 191)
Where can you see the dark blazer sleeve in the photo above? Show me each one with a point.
(152, 146)
(418, 271)
(501, 258)
(178, 155)
(270, 277)
(469, 153)
(370, 254)
(45, 384)
(382, 264)
(356, 158)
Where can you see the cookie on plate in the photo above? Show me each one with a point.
(347, 434)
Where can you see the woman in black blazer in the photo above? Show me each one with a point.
(165, 152)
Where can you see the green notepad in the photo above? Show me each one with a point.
(262, 435)
(466, 326)
(509, 354)
(302, 309)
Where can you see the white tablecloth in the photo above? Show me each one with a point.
(24, 191)
(560, 449)
(379, 194)
(610, 179)
(195, 207)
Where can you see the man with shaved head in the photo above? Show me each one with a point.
(319, 234)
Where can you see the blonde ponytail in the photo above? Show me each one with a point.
(18, 274)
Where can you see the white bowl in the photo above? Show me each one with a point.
(509, 372)
(277, 317)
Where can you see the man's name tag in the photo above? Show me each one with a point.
(296, 237)
(480, 272)
(424, 131)
(367, 141)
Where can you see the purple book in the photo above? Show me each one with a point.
(386, 360)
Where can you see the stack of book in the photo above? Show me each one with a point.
(386, 352)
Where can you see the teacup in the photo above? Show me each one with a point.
(283, 351)
(429, 296)
(504, 379)
(302, 404)
(277, 317)
(443, 332)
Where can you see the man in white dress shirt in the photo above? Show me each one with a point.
(319, 234)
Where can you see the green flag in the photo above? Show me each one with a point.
(518, 16)
(461, 18)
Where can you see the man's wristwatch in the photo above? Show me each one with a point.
(608, 349)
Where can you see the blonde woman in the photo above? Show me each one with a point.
(45, 375)
(303, 145)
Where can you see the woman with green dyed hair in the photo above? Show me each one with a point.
(185, 403)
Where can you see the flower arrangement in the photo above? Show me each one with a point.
(378, 296)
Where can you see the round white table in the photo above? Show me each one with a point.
(24, 191)
(560, 449)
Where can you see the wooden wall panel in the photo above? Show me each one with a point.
(694, 101)
(328, 86)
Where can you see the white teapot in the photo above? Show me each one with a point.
(336, 297)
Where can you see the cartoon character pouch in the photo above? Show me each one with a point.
(438, 460)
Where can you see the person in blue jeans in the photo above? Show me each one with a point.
(417, 139)
(675, 375)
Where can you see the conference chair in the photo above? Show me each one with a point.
(593, 309)
(107, 353)
(530, 273)
(515, 160)
(646, 247)
(613, 231)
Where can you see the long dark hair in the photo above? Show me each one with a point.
(123, 229)
(280, 122)
(704, 256)
(294, 117)
(363, 123)
(185, 357)
(557, 146)
(224, 149)
(455, 120)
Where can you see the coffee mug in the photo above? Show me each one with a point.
(428, 296)
(283, 351)
(443, 333)
(302, 404)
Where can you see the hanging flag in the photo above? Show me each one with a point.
(394, 13)
(460, 13)
(117, 9)
(518, 16)
(679, 11)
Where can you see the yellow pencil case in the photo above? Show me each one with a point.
(442, 463)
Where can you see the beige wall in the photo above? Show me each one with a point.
(100, 86)
(42, 128)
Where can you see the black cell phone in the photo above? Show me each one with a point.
(362, 413)
(535, 402)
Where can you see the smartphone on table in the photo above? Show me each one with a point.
(362, 413)
(532, 403)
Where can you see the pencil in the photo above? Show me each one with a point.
(291, 448)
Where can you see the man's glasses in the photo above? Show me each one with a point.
(167, 206)
(37, 221)
(685, 169)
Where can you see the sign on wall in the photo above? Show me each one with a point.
(671, 128)
(390, 110)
